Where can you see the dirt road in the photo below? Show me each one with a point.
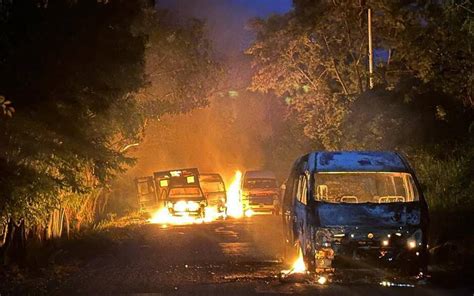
(233, 257)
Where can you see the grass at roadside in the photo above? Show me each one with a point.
(49, 264)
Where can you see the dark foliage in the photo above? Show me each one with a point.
(78, 82)
(315, 58)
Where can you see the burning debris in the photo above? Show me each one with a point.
(298, 273)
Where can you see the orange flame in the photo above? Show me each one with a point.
(163, 216)
(234, 201)
(299, 266)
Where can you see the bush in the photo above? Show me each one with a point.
(447, 178)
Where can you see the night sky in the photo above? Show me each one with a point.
(226, 19)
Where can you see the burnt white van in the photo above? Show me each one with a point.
(361, 211)
(260, 192)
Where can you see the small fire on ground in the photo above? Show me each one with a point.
(299, 273)
(298, 266)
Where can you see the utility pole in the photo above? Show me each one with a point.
(371, 53)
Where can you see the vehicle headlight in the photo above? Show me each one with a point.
(248, 213)
(411, 244)
(193, 206)
(414, 240)
(180, 206)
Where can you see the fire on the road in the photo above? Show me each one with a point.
(298, 266)
(299, 272)
(163, 216)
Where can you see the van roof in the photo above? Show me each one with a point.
(259, 175)
(357, 161)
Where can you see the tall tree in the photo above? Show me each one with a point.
(76, 72)
(316, 57)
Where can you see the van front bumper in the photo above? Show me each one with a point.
(265, 204)
(362, 248)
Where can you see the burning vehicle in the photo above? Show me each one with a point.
(260, 192)
(214, 190)
(354, 214)
(180, 192)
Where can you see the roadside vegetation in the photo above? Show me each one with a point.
(49, 265)
(79, 81)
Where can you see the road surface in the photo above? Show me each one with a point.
(232, 257)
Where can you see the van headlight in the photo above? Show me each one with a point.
(414, 240)
(193, 206)
(411, 244)
(180, 206)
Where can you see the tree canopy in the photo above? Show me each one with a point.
(316, 57)
(78, 76)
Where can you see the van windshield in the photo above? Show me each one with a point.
(180, 192)
(212, 186)
(363, 187)
(259, 183)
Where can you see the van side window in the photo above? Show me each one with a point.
(302, 190)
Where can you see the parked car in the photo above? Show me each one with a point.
(360, 211)
(260, 192)
(214, 189)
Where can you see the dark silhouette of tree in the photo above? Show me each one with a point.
(315, 58)
(76, 72)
